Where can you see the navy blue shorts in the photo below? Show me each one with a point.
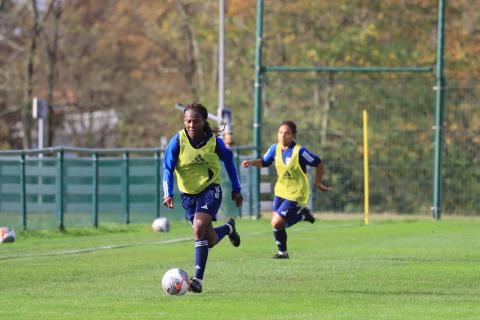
(208, 201)
(286, 209)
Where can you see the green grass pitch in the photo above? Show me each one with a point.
(339, 269)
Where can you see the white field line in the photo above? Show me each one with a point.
(129, 245)
(88, 250)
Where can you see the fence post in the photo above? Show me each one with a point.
(257, 119)
(157, 183)
(23, 191)
(439, 106)
(59, 187)
(126, 187)
(236, 158)
(95, 189)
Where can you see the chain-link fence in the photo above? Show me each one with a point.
(328, 112)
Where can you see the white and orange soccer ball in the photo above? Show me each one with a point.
(175, 282)
(161, 224)
(7, 235)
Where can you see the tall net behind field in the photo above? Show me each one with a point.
(328, 112)
(461, 170)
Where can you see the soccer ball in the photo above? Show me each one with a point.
(7, 234)
(175, 282)
(161, 224)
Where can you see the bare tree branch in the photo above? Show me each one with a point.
(193, 64)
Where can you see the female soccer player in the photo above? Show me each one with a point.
(291, 188)
(194, 154)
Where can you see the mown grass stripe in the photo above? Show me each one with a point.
(89, 250)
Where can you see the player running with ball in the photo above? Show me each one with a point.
(194, 154)
(291, 188)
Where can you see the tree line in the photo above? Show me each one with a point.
(138, 58)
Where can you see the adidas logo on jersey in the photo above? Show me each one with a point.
(199, 160)
(287, 175)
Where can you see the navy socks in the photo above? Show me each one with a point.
(222, 231)
(201, 255)
(280, 239)
(201, 250)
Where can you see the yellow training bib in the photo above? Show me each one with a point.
(292, 182)
(196, 168)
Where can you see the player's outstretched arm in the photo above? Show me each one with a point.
(256, 163)
(318, 178)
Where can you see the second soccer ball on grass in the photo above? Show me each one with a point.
(161, 224)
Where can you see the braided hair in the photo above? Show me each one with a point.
(200, 109)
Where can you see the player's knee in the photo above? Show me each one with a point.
(199, 232)
(277, 224)
(200, 227)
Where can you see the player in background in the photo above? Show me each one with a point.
(194, 154)
(291, 188)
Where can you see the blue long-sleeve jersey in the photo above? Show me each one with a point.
(171, 158)
(306, 158)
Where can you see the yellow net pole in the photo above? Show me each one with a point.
(365, 162)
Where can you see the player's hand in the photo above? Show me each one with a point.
(237, 198)
(323, 187)
(168, 202)
(246, 163)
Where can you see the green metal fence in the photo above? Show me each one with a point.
(66, 187)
